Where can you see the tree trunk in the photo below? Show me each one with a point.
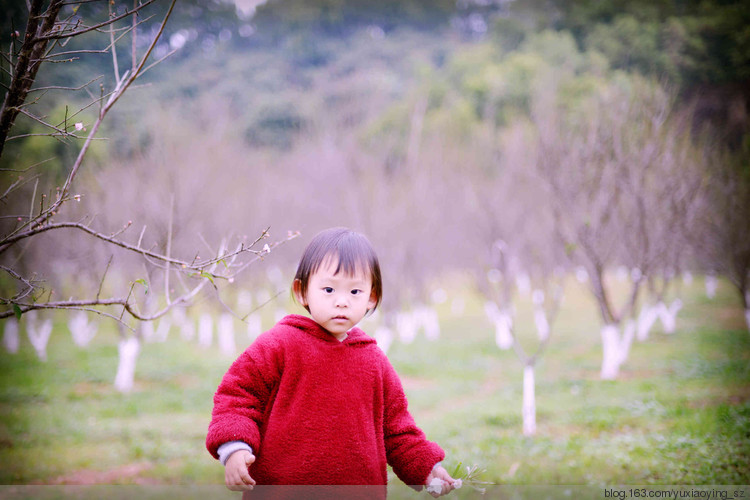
(254, 326)
(542, 325)
(646, 319)
(27, 64)
(711, 285)
(503, 334)
(668, 315)
(428, 319)
(162, 330)
(129, 347)
(205, 330)
(529, 401)
(611, 358)
(11, 340)
(384, 337)
(81, 329)
(407, 329)
(225, 329)
(38, 334)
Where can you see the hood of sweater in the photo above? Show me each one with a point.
(309, 326)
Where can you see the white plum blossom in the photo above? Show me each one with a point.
(435, 486)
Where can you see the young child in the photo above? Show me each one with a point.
(316, 401)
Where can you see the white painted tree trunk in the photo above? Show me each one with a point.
(254, 326)
(747, 318)
(183, 324)
(11, 340)
(646, 320)
(687, 277)
(542, 325)
(244, 300)
(128, 348)
(615, 348)
(225, 328)
(611, 356)
(147, 331)
(427, 318)
(81, 329)
(711, 285)
(503, 321)
(39, 334)
(205, 330)
(384, 337)
(668, 315)
(162, 329)
(628, 333)
(529, 402)
(406, 327)
(503, 333)
(540, 317)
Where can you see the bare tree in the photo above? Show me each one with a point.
(613, 170)
(518, 254)
(720, 230)
(55, 32)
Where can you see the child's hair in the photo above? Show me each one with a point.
(353, 251)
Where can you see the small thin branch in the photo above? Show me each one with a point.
(101, 283)
(137, 249)
(169, 247)
(60, 132)
(29, 287)
(50, 57)
(17, 184)
(112, 44)
(70, 34)
(257, 308)
(21, 171)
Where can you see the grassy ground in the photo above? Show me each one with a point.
(678, 414)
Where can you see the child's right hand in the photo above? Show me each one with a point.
(236, 474)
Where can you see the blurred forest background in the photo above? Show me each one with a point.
(503, 156)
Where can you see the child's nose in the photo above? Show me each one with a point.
(341, 300)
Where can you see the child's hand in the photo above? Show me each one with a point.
(236, 474)
(439, 482)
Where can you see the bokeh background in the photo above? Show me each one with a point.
(558, 191)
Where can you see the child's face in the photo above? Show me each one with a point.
(337, 302)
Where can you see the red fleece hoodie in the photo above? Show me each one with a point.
(317, 411)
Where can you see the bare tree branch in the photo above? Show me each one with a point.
(113, 20)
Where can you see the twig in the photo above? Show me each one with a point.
(70, 34)
(243, 318)
(101, 283)
(20, 171)
(169, 247)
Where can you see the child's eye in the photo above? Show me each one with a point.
(328, 289)
(356, 292)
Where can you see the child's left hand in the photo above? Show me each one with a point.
(439, 482)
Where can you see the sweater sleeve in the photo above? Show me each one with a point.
(243, 394)
(408, 451)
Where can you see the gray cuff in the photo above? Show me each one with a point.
(226, 449)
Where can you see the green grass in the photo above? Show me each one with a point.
(678, 414)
